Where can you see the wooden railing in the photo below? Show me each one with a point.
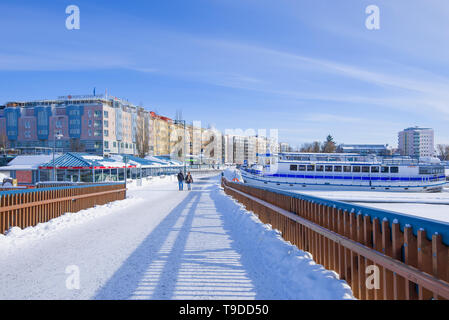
(25, 208)
(410, 263)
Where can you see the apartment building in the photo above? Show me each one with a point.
(238, 145)
(416, 142)
(94, 124)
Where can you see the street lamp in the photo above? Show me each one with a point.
(55, 136)
(185, 143)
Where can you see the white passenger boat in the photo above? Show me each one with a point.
(340, 171)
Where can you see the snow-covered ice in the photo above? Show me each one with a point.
(162, 244)
(427, 205)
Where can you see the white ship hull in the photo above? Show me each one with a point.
(329, 184)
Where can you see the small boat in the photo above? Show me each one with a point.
(343, 171)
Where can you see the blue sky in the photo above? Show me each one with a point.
(307, 68)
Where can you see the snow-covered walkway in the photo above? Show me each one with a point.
(161, 244)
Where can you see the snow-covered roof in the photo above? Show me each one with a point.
(27, 162)
(77, 160)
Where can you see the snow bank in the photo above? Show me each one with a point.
(16, 237)
(232, 173)
(300, 276)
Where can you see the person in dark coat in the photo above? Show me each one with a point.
(189, 180)
(181, 181)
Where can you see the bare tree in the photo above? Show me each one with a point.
(443, 151)
(314, 147)
(143, 137)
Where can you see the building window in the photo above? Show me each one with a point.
(89, 132)
(105, 123)
(97, 113)
(105, 114)
(89, 113)
(97, 123)
(27, 134)
(114, 144)
(293, 167)
(27, 124)
(106, 133)
(89, 123)
(97, 133)
(58, 124)
(106, 144)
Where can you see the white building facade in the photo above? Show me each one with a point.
(416, 142)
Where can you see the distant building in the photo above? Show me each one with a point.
(416, 142)
(250, 153)
(284, 147)
(365, 149)
(94, 124)
(228, 149)
(238, 144)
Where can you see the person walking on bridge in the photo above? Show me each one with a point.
(180, 181)
(189, 180)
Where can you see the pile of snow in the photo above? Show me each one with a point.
(17, 237)
(3, 176)
(232, 173)
(299, 276)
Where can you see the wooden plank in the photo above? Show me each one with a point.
(410, 258)
(439, 260)
(397, 243)
(424, 261)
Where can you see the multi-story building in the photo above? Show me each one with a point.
(261, 149)
(284, 147)
(416, 142)
(95, 124)
(250, 150)
(160, 139)
(228, 149)
(238, 145)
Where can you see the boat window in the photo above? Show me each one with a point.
(311, 167)
(394, 169)
(337, 168)
(355, 169)
(293, 167)
(374, 169)
(365, 169)
(301, 167)
(328, 168)
(319, 168)
(347, 168)
(385, 170)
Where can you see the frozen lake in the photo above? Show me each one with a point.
(427, 205)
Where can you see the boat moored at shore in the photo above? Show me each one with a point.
(334, 171)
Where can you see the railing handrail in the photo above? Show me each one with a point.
(408, 272)
(430, 225)
(10, 192)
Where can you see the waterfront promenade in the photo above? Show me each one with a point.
(161, 244)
